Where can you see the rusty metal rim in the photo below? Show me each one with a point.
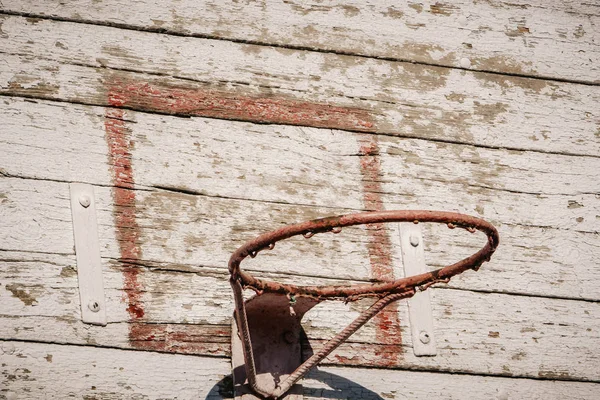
(333, 224)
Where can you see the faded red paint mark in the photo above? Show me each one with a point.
(127, 230)
(180, 338)
(380, 250)
(357, 354)
(195, 101)
(203, 102)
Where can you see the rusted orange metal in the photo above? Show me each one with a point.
(387, 292)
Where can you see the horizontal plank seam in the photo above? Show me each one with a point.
(37, 252)
(476, 185)
(290, 47)
(385, 134)
(195, 192)
(114, 323)
(444, 371)
(219, 272)
(151, 188)
(108, 347)
(510, 293)
(429, 370)
(216, 272)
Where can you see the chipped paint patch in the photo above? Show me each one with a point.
(518, 31)
(442, 9)
(23, 293)
(579, 32)
(457, 97)
(393, 13)
(504, 64)
(489, 112)
(418, 7)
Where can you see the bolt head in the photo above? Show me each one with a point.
(85, 201)
(414, 240)
(424, 337)
(94, 306)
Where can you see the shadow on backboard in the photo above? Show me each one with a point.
(332, 386)
(335, 387)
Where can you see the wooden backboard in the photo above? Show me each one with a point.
(200, 125)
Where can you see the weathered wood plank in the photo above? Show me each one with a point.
(34, 369)
(301, 165)
(521, 338)
(200, 230)
(515, 38)
(357, 383)
(295, 87)
(200, 144)
(201, 158)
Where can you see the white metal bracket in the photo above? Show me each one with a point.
(87, 250)
(419, 306)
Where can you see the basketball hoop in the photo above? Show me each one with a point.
(297, 300)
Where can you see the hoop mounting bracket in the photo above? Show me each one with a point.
(419, 306)
(274, 326)
(280, 296)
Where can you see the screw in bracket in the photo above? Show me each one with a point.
(414, 240)
(85, 201)
(424, 337)
(94, 306)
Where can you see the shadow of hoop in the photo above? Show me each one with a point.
(335, 386)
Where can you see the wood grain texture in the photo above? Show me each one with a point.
(32, 369)
(477, 333)
(543, 204)
(268, 85)
(199, 131)
(506, 37)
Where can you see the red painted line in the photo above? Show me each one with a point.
(198, 101)
(387, 322)
(180, 338)
(204, 102)
(127, 230)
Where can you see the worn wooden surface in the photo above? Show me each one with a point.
(553, 255)
(525, 338)
(31, 370)
(517, 37)
(190, 76)
(202, 126)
